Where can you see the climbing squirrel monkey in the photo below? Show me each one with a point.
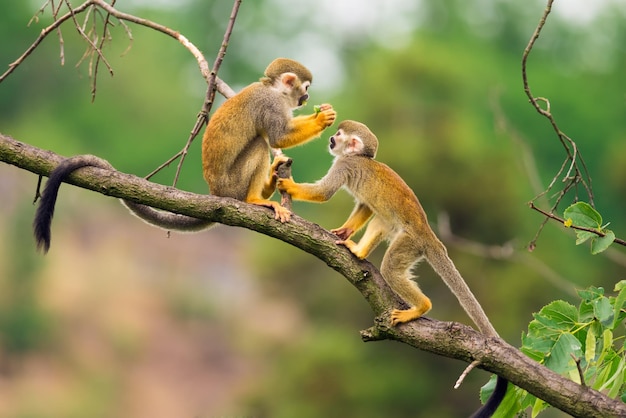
(397, 216)
(235, 149)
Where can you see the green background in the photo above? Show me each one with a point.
(118, 320)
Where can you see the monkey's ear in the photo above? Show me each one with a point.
(355, 145)
(288, 79)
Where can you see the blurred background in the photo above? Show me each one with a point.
(119, 320)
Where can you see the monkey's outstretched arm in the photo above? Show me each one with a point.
(359, 216)
(304, 128)
(320, 191)
(309, 192)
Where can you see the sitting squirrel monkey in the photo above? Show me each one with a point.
(397, 216)
(235, 149)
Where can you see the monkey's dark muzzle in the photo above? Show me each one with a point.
(332, 142)
(302, 100)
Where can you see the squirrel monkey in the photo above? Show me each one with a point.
(397, 216)
(237, 141)
(235, 149)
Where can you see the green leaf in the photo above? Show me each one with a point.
(558, 315)
(591, 293)
(539, 406)
(586, 312)
(510, 404)
(583, 236)
(487, 389)
(560, 358)
(607, 340)
(617, 380)
(547, 328)
(582, 214)
(618, 304)
(590, 345)
(603, 311)
(620, 285)
(600, 244)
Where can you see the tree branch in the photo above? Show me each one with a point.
(222, 87)
(448, 339)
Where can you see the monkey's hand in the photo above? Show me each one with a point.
(326, 116)
(286, 185)
(343, 233)
(278, 160)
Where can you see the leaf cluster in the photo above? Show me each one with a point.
(585, 344)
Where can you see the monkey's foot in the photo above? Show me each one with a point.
(401, 316)
(352, 246)
(343, 233)
(280, 213)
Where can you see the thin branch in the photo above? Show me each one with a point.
(44, 32)
(574, 175)
(222, 87)
(580, 228)
(448, 339)
(93, 48)
(203, 116)
(105, 36)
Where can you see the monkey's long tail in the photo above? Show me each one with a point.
(445, 268)
(443, 265)
(167, 220)
(45, 210)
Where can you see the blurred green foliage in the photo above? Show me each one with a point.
(445, 99)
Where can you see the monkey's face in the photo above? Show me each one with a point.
(342, 143)
(353, 138)
(294, 89)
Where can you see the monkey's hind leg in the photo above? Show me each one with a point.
(396, 269)
(258, 183)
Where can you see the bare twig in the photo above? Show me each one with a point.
(222, 87)
(45, 32)
(576, 172)
(581, 375)
(93, 48)
(467, 371)
(105, 36)
(203, 116)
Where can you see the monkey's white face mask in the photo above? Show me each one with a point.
(343, 144)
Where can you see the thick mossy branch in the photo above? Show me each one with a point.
(448, 339)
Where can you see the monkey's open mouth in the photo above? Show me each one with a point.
(303, 99)
(332, 142)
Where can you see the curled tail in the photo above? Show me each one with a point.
(45, 210)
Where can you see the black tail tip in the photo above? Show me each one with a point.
(42, 239)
